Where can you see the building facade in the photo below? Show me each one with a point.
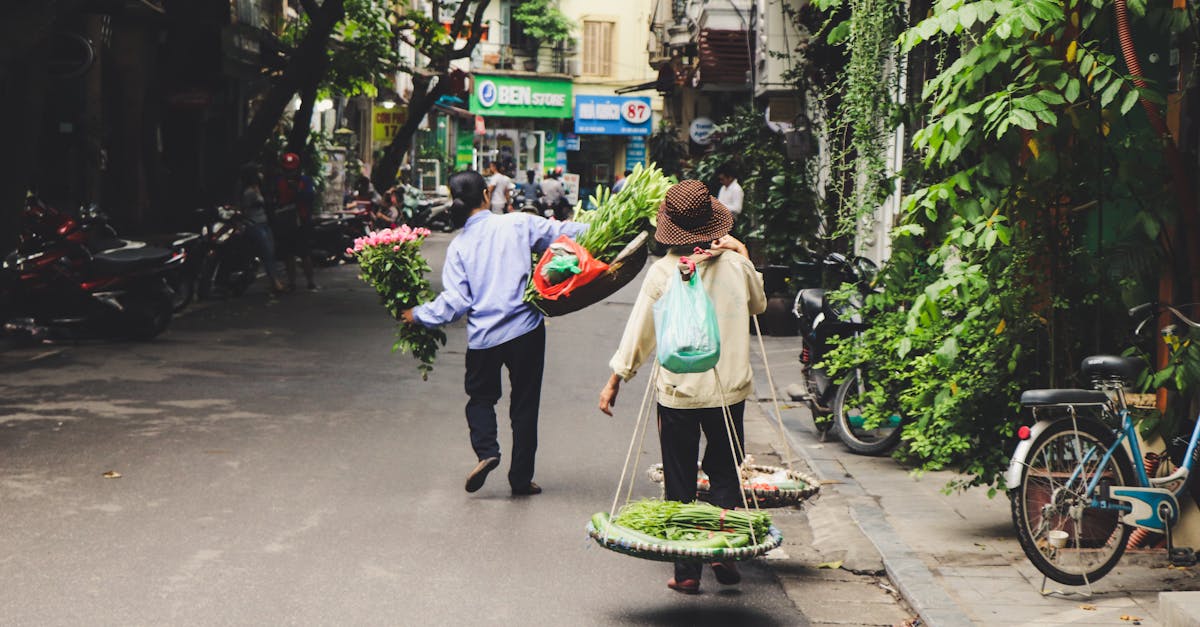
(537, 108)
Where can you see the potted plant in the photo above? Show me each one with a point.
(544, 26)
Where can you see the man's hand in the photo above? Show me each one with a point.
(730, 242)
(407, 316)
(608, 395)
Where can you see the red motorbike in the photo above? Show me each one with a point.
(55, 286)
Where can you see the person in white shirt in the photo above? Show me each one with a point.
(498, 187)
(731, 192)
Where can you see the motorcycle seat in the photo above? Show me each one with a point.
(129, 260)
(811, 301)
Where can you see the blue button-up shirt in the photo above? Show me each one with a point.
(487, 268)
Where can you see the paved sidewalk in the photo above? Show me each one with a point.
(955, 557)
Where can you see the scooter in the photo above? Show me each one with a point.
(55, 287)
(430, 213)
(333, 233)
(182, 269)
(229, 261)
(822, 321)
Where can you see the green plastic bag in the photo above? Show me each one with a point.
(685, 327)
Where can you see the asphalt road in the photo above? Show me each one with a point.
(279, 465)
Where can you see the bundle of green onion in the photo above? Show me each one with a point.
(673, 520)
(618, 218)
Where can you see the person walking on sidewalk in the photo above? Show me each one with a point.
(689, 404)
(487, 267)
(254, 207)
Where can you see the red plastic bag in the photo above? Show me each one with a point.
(589, 268)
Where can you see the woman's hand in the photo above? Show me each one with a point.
(407, 316)
(730, 242)
(608, 395)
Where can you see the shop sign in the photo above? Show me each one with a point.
(612, 115)
(701, 131)
(571, 187)
(385, 123)
(509, 96)
(635, 152)
(572, 142)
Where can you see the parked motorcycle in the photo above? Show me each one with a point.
(834, 405)
(229, 261)
(333, 233)
(182, 269)
(421, 211)
(54, 286)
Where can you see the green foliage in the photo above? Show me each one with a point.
(667, 150)
(993, 286)
(856, 102)
(780, 208)
(363, 53)
(543, 21)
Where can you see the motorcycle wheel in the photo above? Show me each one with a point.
(185, 291)
(848, 421)
(207, 277)
(243, 281)
(146, 316)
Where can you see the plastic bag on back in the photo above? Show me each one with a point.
(685, 326)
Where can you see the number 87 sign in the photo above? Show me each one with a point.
(635, 112)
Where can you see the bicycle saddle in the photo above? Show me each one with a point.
(1106, 367)
(1042, 398)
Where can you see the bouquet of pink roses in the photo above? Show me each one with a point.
(390, 261)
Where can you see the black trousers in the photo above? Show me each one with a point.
(679, 437)
(525, 359)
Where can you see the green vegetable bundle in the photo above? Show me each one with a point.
(673, 520)
(618, 218)
(703, 540)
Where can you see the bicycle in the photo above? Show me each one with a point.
(1078, 486)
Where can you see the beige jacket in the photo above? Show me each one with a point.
(736, 290)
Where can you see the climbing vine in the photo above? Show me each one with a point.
(998, 279)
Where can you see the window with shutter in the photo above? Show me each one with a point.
(597, 48)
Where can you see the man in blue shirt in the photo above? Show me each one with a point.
(487, 267)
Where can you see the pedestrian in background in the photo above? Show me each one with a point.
(620, 182)
(295, 195)
(498, 187)
(254, 208)
(484, 277)
(689, 404)
(731, 191)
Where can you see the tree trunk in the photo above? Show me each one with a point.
(302, 121)
(383, 176)
(307, 65)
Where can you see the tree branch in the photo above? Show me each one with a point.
(459, 15)
(476, 32)
(311, 7)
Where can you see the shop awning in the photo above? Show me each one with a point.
(642, 87)
(454, 111)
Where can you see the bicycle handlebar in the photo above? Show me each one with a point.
(1156, 308)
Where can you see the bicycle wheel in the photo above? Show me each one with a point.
(1047, 499)
(859, 434)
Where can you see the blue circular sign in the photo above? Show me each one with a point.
(487, 94)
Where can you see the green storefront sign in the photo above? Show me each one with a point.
(519, 97)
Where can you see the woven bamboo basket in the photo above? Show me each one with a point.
(666, 553)
(620, 272)
(766, 496)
